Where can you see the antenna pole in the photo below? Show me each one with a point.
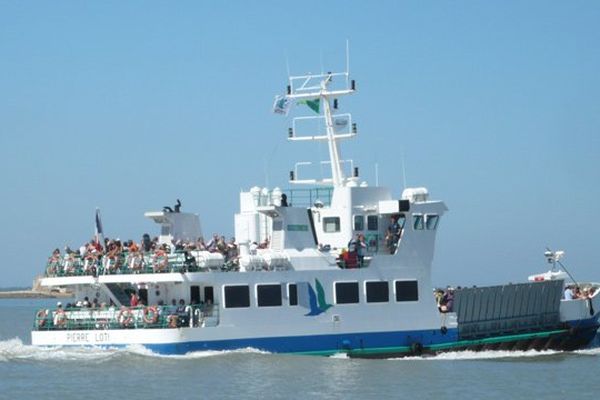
(336, 170)
(347, 61)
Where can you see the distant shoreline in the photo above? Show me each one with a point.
(32, 294)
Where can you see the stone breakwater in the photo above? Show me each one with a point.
(33, 294)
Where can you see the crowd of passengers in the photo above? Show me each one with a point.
(176, 315)
(574, 292)
(112, 254)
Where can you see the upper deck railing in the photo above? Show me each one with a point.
(134, 263)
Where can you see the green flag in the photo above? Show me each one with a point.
(312, 104)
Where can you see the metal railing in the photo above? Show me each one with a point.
(126, 263)
(150, 317)
(307, 197)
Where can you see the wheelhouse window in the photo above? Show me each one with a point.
(237, 296)
(293, 294)
(331, 224)
(431, 221)
(346, 292)
(401, 220)
(407, 291)
(268, 295)
(377, 292)
(418, 223)
(373, 222)
(359, 222)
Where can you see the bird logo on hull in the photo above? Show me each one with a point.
(312, 300)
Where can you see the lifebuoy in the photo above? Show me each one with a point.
(40, 318)
(150, 315)
(125, 317)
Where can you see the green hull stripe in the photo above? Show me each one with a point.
(436, 347)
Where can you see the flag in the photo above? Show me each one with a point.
(99, 231)
(313, 104)
(340, 124)
(281, 105)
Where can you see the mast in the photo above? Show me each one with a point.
(317, 92)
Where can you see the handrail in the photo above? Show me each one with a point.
(143, 317)
(125, 263)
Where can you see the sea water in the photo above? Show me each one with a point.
(28, 372)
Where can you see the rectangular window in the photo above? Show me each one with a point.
(237, 296)
(378, 292)
(373, 222)
(346, 292)
(359, 222)
(401, 220)
(418, 222)
(293, 294)
(268, 295)
(407, 291)
(331, 224)
(431, 221)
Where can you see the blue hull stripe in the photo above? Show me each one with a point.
(315, 343)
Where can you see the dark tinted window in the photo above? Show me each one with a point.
(346, 292)
(378, 292)
(237, 296)
(373, 222)
(268, 295)
(293, 293)
(359, 222)
(407, 291)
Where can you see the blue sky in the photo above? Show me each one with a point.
(130, 105)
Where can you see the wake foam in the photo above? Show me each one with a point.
(15, 350)
(499, 355)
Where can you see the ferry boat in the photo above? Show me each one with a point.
(343, 267)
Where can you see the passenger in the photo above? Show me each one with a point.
(134, 299)
(222, 246)
(591, 292)
(212, 244)
(361, 249)
(95, 303)
(252, 248)
(264, 244)
(232, 251)
(86, 302)
(568, 293)
(200, 245)
(395, 231)
(447, 303)
(60, 317)
(146, 243)
(438, 294)
(55, 257)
